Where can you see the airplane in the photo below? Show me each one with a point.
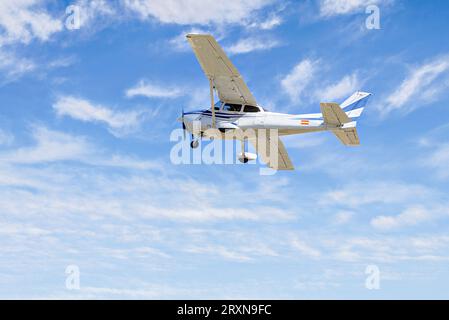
(237, 109)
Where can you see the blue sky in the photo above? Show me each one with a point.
(86, 177)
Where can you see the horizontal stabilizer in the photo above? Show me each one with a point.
(347, 136)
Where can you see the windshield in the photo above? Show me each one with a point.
(232, 107)
(251, 109)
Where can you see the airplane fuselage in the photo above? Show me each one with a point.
(285, 123)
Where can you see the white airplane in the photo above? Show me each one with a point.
(238, 110)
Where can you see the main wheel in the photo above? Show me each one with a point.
(194, 144)
(244, 160)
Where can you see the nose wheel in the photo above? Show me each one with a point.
(194, 144)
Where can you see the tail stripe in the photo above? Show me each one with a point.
(357, 100)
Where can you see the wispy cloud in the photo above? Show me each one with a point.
(268, 24)
(221, 251)
(91, 11)
(150, 90)
(6, 138)
(359, 194)
(419, 87)
(199, 12)
(22, 21)
(50, 146)
(62, 62)
(438, 159)
(342, 89)
(409, 217)
(305, 249)
(84, 110)
(54, 146)
(298, 79)
(306, 81)
(343, 217)
(252, 44)
(12, 66)
(144, 195)
(180, 43)
(329, 8)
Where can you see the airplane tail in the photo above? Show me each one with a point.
(342, 118)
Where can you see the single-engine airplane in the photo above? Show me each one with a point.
(238, 110)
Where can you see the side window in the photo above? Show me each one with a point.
(232, 107)
(251, 109)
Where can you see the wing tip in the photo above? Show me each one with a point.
(197, 35)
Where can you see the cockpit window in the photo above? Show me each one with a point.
(217, 105)
(251, 109)
(232, 107)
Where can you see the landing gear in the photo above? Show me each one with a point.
(243, 158)
(194, 144)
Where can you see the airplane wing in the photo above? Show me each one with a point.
(216, 65)
(282, 162)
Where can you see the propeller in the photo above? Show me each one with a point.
(183, 124)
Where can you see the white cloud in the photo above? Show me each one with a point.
(251, 44)
(438, 159)
(120, 161)
(305, 249)
(389, 249)
(149, 292)
(72, 189)
(306, 81)
(93, 10)
(410, 217)
(343, 217)
(268, 24)
(50, 146)
(299, 78)
(62, 62)
(221, 251)
(342, 89)
(329, 8)
(200, 12)
(84, 110)
(24, 20)
(149, 90)
(14, 229)
(54, 146)
(6, 138)
(430, 242)
(209, 213)
(419, 87)
(180, 43)
(355, 195)
(14, 66)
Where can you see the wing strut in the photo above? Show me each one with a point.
(212, 107)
